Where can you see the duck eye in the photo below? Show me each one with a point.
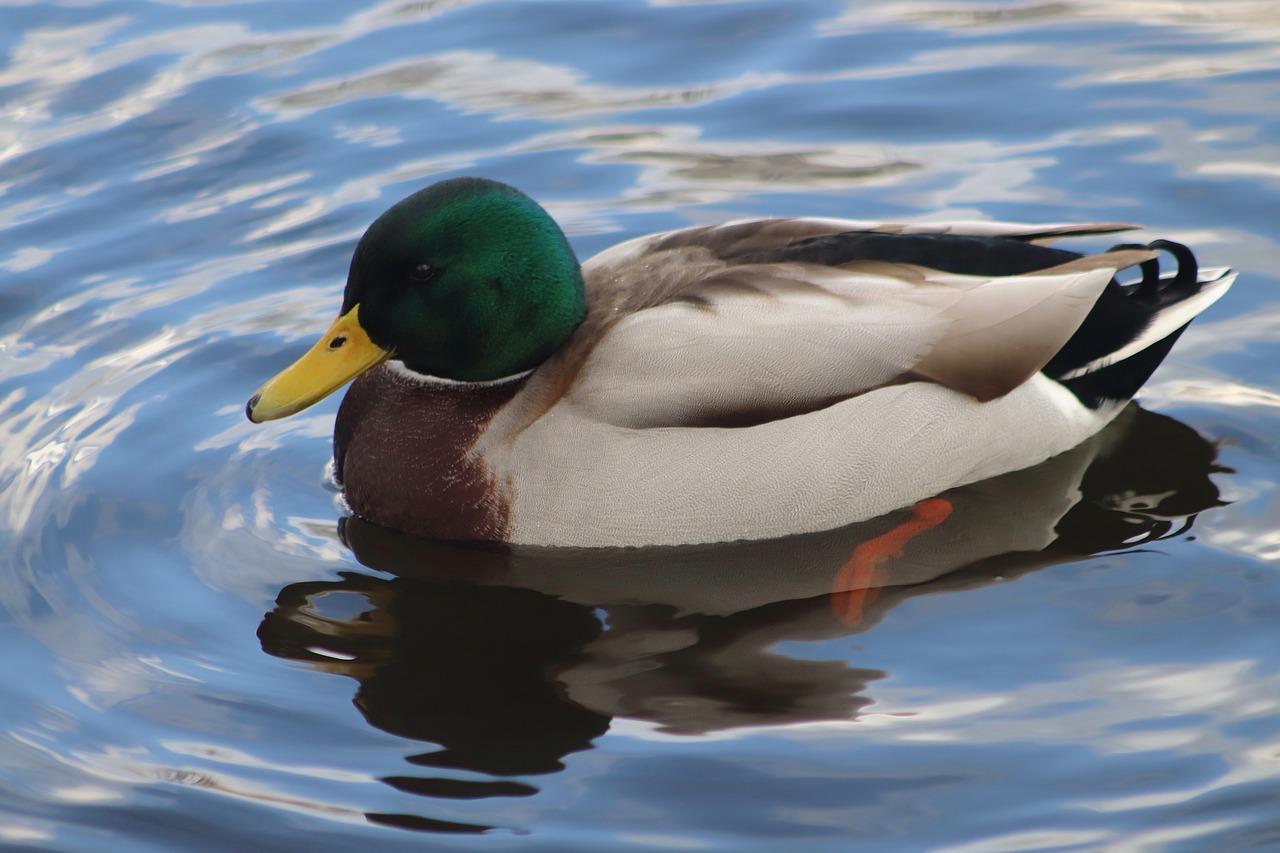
(422, 272)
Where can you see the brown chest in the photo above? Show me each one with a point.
(404, 453)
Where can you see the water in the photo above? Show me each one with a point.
(202, 654)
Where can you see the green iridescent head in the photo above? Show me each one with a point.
(468, 279)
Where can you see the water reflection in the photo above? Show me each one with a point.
(507, 661)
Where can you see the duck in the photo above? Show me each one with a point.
(756, 379)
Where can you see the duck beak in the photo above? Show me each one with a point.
(341, 354)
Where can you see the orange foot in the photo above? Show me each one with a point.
(856, 583)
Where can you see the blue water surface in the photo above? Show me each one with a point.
(202, 652)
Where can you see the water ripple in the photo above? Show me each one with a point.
(206, 653)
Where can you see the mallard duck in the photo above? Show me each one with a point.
(755, 379)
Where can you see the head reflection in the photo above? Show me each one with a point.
(506, 661)
(469, 670)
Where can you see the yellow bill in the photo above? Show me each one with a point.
(343, 353)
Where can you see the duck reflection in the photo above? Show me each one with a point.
(508, 660)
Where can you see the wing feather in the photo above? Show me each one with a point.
(1006, 330)
(757, 343)
(751, 236)
(680, 334)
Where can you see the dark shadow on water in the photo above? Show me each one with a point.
(506, 661)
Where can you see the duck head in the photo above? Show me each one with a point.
(468, 279)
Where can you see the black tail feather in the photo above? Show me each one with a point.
(1121, 316)
(1150, 284)
(1120, 381)
(1187, 278)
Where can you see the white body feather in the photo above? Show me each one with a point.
(600, 484)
